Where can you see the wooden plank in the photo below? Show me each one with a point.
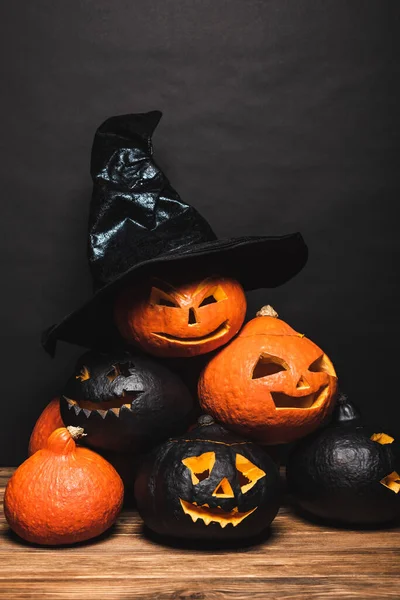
(297, 560)
(198, 589)
(5, 474)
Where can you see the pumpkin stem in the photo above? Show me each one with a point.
(205, 420)
(76, 432)
(345, 412)
(62, 441)
(267, 311)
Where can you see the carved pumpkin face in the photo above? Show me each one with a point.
(124, 401)
(285, 381)
(343, 473)
(181, 319)
(208, 484)
(392, 480)
(243, 474)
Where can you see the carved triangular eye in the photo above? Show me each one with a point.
(119, 369)
(166, 302)
(208, 300)
(160, 298)
(249, 473)
(215, 295)
(84, 374)
(267, 365)
(200, 466)
(322, 365)
(382, 438)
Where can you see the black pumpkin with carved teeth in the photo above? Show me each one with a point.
(346, 473)
(208, 484)
(124, 401)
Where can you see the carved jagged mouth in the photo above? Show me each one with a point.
(113, 405)
(282, 400)
(220, 331)
(215, 515)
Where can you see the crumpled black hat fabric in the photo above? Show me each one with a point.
(138, 222)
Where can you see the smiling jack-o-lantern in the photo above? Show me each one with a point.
(209, 484)
(181, 319)
(125, 401)
(271, 383)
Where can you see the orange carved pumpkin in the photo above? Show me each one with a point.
(271, 383)
(181, 319)
(63, 494)
(49, 420)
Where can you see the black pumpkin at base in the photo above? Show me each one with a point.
(344, 473)
(125, 402)
(208, 484)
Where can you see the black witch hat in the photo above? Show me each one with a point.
(139, 223)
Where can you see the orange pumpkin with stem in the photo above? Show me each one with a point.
(63, 494)
(178, 318)
(49, 420)
(271, 383)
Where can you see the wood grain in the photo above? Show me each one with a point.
(298, 560)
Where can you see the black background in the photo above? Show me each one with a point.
(300, 103)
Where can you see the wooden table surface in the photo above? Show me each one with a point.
(298, 560)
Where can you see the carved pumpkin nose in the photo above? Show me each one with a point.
(192, 317)
(223, 489)
(302, 384)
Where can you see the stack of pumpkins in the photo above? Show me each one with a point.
(269, 385)
(167, 314)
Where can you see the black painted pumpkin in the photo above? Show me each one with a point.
(124, 401)
(208, 484)
(345, 472)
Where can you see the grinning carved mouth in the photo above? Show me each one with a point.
(113, 405)
(282, 400)
(216, 515)
(220, 331)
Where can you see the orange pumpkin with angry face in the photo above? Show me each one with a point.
(181, 319)
(271, 383)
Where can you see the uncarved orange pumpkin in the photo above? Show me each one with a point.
(271, 383)
(124, 463)
(49, 420)
(181, 319)
(63, 494)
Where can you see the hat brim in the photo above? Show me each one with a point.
(257, 262)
